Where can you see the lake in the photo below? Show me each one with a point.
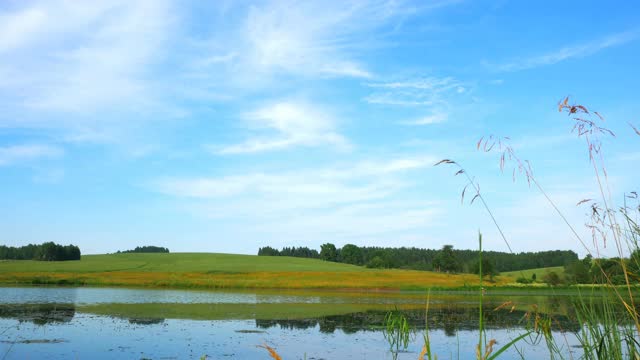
(107, 323)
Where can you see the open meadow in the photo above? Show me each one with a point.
(539, 272)
(203, 270)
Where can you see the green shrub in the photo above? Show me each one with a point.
(523, 280)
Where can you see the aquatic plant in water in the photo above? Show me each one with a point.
(396, 331)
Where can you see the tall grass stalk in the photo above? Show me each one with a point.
(426, 350)
(608, 333)
(480, 315)
(605, 333)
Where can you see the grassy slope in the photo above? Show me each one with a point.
(539, 272)
(177, 262)
(201, 270)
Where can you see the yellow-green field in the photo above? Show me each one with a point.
(539, 272)
(203, 270)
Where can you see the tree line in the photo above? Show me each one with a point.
(603, 271)
(48, 251)
(145, 249)
(446, 259)
(303, 252)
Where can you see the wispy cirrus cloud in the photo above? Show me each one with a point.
(434, 118)
(308, 39)
(81, 58)
(565, 53)
(285, 38)
(83, 72)
(439, 96)
(20, 154)
(323, 200)
(424, 91)
(362, 180)
(285, 124)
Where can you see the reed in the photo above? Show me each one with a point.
(610, 329)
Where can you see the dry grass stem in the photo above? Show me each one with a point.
(272, 351)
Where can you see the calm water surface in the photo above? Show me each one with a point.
(38, 323)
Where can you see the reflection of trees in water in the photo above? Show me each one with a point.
(43, 314)
(287, 324)
(450, 319)
(146, 321)
(39, 314)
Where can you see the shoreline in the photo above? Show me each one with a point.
(265, 282)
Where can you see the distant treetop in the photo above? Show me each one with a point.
(145, 249)
(48, 251)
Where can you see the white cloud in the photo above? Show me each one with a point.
(349, 200)
(444, 97)
(19, 154)
(96, 67)
(17, 28)
(81, 58)
(425, 91)
(429, 83)
(359, 181)
(312, 37)
(291, 123)
(357, 223)
(567, 52)
(434, 118)
(282, 39)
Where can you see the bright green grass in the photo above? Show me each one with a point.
(539, 272)
(177, 262)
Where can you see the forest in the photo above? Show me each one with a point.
(48, 251)
(145, 249)
(446, 259)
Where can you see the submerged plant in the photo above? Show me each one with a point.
(396, 331)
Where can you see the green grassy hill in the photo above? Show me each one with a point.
(539, 272)
(176, 262)
(206, 270)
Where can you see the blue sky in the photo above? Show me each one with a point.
(225, 126)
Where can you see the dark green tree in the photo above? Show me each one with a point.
(488, 268)
(552, 278)
(376, 263)
(608, 271)
(268, 251)
(577, 272)
(328, 252)
(351, 254)
(446, 260)
(145, 249)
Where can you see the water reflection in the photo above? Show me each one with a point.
(449, 319)
(146, 321)
(103, 337)
(37, 324)
(38, 314)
